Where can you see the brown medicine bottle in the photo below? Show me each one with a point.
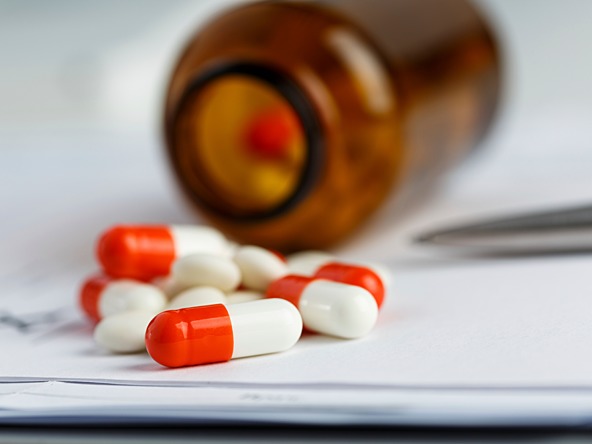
(289, 122)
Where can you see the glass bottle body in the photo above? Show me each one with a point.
(289, 123)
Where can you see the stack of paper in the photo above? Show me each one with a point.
(461, 340)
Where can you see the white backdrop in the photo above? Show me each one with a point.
(105, 63)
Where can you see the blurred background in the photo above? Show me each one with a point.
(104, 64)
(79, 78)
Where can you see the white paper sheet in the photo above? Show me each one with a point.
(460, 340)
(59, 403)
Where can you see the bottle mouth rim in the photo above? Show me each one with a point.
(289, 90)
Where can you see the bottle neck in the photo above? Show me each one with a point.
(246, 142)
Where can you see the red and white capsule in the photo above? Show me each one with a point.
(147, 251)
(333, 308)
(308, 263)
(218, 333)
(358, 275)
(103, 296)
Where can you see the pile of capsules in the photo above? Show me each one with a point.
(189, 296)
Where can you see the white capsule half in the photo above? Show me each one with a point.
(190, 239)
(336, 309)
(196, 270)
(197, 296)
(231, 248)
(306, 263)
(124, 332)
(169, 286)
(125, 295)
(242, 296)
(265, 326)
(259, 267)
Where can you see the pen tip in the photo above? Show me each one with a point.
(426, 238)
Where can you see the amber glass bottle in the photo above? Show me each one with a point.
(289, 122)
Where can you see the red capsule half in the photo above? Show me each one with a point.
(289, 288)
(138, 252)
(191, 336)
(90, 293)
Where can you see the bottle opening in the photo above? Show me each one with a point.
(246, 142)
